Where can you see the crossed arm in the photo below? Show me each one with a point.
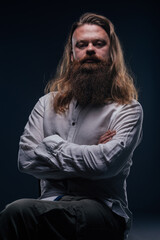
(54, 157)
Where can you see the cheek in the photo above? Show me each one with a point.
(78, 55)
(104, 53)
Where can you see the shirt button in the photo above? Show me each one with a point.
(122, 143)
(73, 123)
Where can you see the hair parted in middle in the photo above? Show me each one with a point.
(122, 90)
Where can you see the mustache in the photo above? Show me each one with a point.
(91, 59)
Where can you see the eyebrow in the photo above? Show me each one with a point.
(97, 39)
(93, 41)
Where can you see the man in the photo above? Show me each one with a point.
(79, 142)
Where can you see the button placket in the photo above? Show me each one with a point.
(73, 123)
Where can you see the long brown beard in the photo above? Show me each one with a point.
(90, 81)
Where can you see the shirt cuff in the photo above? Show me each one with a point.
(49, 146)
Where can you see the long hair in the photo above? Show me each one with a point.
(122, 90)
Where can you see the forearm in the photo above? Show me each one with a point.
(53, 157)
(59, 159)
(39, 167)
(93, 162)
(33, 135)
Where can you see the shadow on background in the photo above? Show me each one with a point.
(32, 41)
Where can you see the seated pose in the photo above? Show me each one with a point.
(79, 141)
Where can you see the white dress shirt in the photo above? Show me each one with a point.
(63, 151)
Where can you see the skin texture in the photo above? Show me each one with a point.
(92, 41)
(106, 137)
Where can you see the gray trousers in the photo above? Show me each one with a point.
(69, 218)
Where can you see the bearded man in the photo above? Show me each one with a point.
(79, 141)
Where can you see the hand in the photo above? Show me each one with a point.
(106, 137)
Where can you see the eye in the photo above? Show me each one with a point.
(100, 43)
(81, 45)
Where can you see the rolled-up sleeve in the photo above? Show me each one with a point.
(95, 161)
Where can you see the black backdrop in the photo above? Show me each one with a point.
(31, 43)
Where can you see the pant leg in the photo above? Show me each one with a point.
(29, 219)
(88, 219)
(18, 221)
(95, 220)
(70, 218)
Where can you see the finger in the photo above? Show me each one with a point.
(107, 135)
(109, 139)
(105, 139)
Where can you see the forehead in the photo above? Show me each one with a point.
(89, 32)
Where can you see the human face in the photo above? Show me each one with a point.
(90, 40)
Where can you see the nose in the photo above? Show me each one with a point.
(90, 50)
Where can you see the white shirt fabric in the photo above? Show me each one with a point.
(63, 151)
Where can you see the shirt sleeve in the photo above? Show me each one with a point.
(33, 135)
(95, 161)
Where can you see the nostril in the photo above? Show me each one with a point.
(90, 52)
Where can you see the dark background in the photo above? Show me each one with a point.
(32, 38)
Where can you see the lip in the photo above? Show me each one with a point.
(90, 60)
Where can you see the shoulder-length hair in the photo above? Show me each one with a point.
(122, 90)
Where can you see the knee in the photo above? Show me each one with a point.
(18, 206)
